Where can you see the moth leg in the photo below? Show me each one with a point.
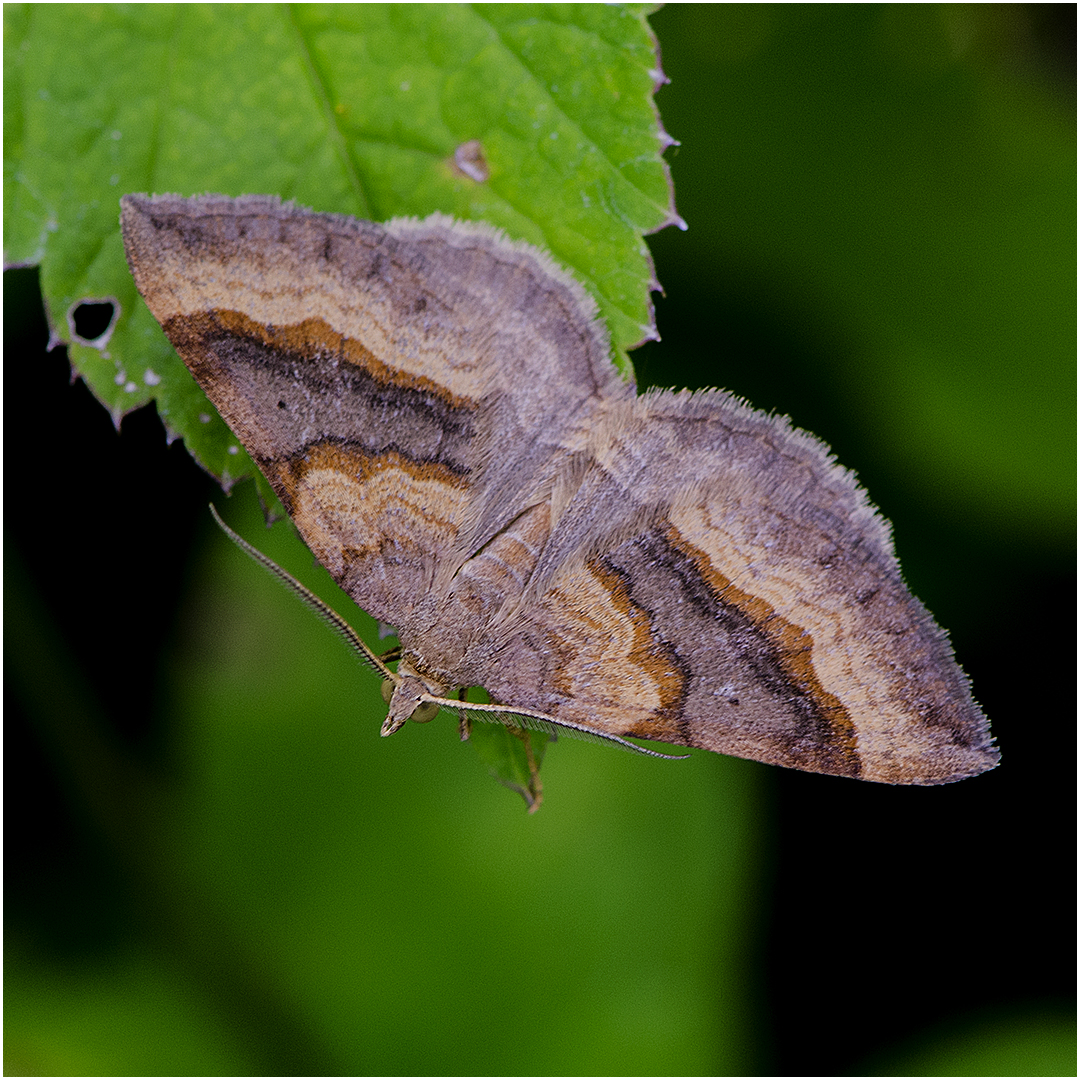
(464, 723)
(534, 794)
(391, 655)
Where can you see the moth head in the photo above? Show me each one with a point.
(409, 699)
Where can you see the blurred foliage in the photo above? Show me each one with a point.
(896, 184)
(1041, 1042)
(379, 906)
(215, 865)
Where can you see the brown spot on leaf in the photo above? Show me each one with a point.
(469, 161)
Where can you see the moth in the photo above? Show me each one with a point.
(436, 407)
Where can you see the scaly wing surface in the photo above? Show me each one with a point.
(719, 582)
(401, 386)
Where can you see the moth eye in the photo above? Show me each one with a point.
(424, 712)
(387, 690)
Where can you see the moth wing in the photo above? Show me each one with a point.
(721, 583)
(403, 387)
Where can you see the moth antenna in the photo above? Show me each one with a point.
(320, 607)
(538, 721)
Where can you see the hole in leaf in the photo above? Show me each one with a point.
(92, 321)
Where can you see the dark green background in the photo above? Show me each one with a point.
(214, 864)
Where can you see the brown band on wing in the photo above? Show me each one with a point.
(316, 337)
(363, 465)
(355, 509)
(836, 740)
(276, 387)
(747, 691)
(649, 654)
(612, 672)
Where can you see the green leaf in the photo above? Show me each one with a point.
(356, 109)
(513, 755)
